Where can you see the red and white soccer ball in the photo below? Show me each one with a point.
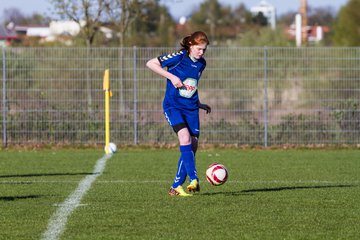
(217, 174)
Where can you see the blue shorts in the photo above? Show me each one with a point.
(179, 119)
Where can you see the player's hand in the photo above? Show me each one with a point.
(205, 107)
(177, 82)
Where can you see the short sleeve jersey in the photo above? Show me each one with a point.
(189, 71)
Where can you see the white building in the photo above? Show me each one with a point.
(71, 28)
(64, 28)
(57, 30)
(268, 10)
(38, 32)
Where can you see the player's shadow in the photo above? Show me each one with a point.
(43, 175)
(276, 189)
(14, 198)
(294, 188)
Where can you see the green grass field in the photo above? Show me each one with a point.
(270, 194)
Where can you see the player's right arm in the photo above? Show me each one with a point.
(155, 66)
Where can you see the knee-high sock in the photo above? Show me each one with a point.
(187, 155)
(180, 176)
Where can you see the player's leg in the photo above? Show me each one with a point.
(194, 144)
(181, 170)
(180, 176)
(194, 184)
(186, 152)
(176, 121)
(193, 126)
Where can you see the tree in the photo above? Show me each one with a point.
(154, 26)
(38, 19)
(87, 13)
(16, 17)
(347, 27)
(260, 19)
(121, 14)
(242, 15)
(210, 17)
(138, 23)
(13, 15)
(287, 18)
(323, 16)
(264, 37)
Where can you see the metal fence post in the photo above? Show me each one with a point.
(265, 98)
(135, 99)
(4, 97)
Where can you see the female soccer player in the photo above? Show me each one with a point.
(181, 103)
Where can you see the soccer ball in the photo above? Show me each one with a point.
(217, 174)
(112, 148)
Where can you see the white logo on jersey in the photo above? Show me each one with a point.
(189, 88)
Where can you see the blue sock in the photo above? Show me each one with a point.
(187, 155)
(180, 174)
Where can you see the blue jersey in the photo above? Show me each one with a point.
(189, 71)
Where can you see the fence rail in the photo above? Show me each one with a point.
(259, 96)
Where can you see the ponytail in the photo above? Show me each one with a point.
(194, 39)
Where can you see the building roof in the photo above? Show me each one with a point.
(6, 34)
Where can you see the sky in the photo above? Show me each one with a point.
(178, 8)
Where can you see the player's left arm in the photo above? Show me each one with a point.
(205, 107)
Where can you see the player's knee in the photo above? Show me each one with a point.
(184, 140)
(184, 136)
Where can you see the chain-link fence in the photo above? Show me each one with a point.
(259, 96)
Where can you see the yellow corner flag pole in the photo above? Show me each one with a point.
(108, 94)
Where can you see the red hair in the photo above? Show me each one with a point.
(195, 38)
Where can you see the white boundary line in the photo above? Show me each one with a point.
(58, 221)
